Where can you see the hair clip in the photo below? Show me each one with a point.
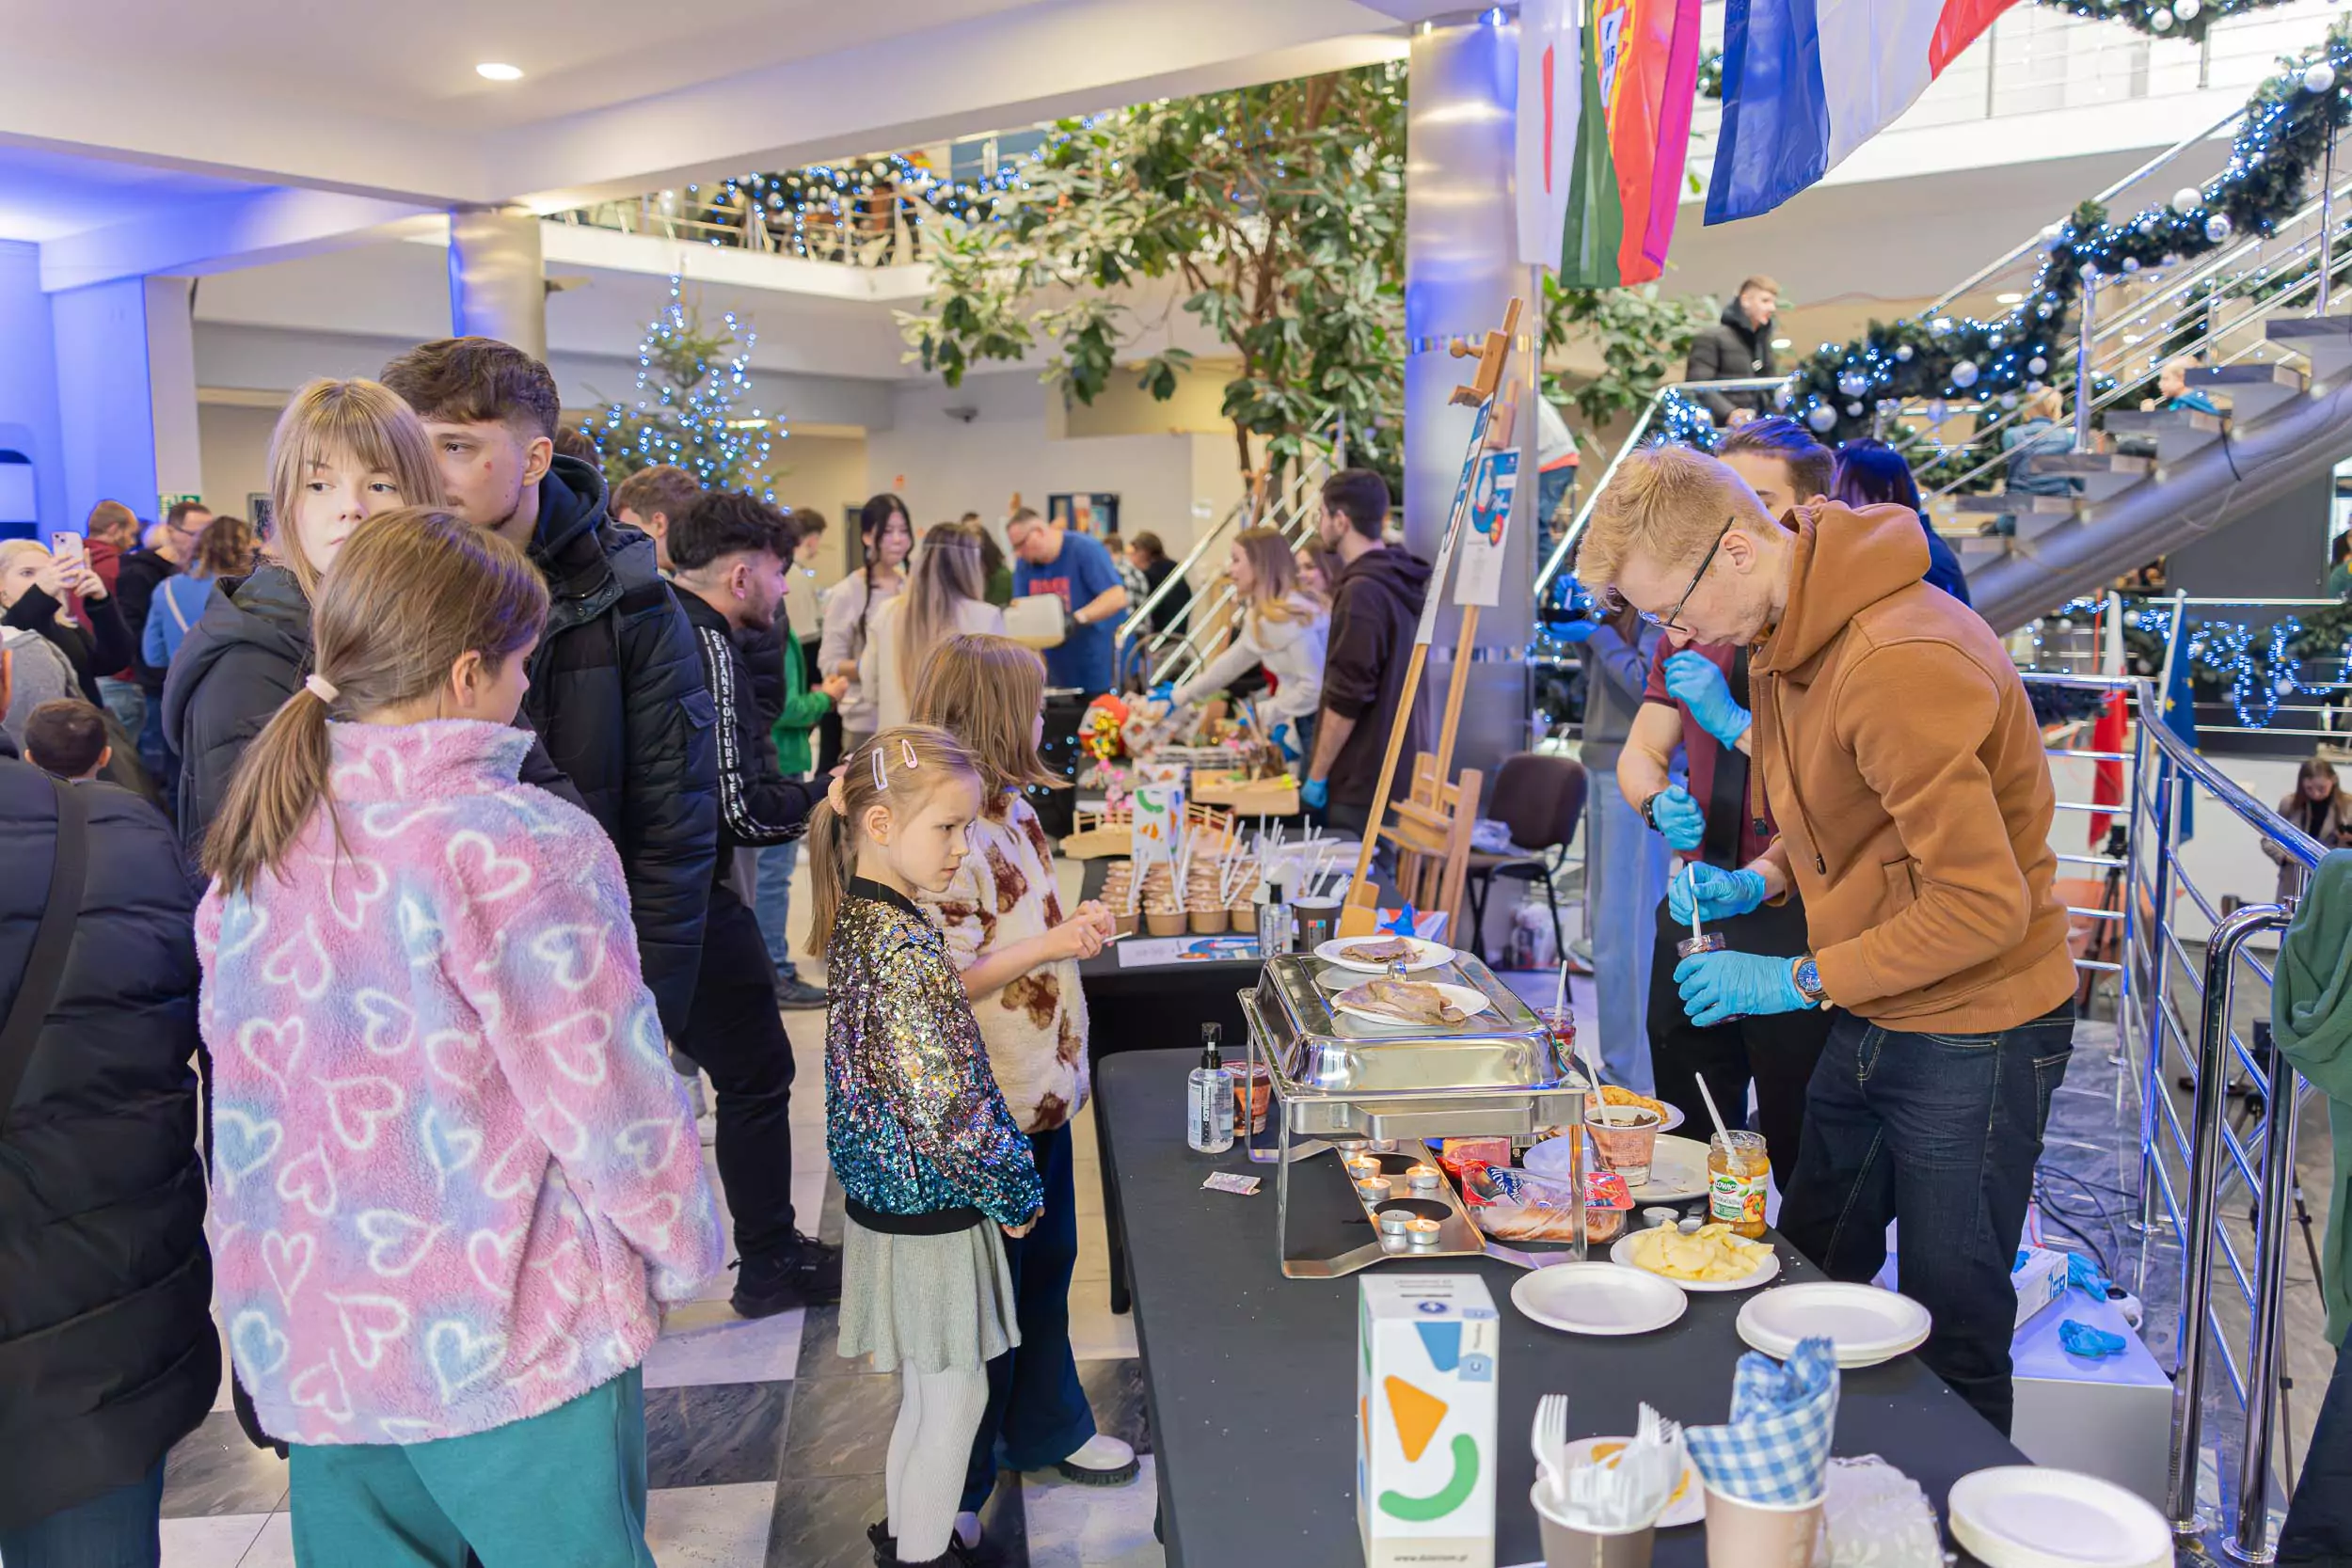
(882, 769)
(906, 750)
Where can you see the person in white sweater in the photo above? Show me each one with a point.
(1281, 626)
(885, 534)
(944, 596)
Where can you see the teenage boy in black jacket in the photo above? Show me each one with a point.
(616, 688)
(727, 552)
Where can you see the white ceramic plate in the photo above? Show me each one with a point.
(1597, 1298)
(1427, 954)
(1688, 1505)
(2028, 1517)
(1866, 1325)
(1677, 1168)
(1471, 1003)
(1623, 1252)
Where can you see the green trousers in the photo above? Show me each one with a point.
(565, 1489)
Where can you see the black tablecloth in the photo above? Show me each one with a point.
(1158, 1008)
(1250, 1377)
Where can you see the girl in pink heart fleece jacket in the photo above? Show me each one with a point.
(453, 1170)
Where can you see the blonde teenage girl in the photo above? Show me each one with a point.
(1281, 626)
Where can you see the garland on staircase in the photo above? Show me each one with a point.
(1838, 389)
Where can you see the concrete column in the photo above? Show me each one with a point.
(105, 408)
(497, 285)
(171, 387)
(1461, 241)
(32, 454)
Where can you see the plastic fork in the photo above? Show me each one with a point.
(1549, 1436)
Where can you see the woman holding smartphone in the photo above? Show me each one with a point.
(37, 585)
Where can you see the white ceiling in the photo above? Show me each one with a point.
(46, 195)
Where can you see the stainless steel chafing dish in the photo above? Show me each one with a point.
(1499, 1072)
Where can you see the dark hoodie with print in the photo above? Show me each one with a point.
(1374, 606)
(617, 695)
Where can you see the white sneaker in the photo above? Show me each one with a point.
(1102, 1460)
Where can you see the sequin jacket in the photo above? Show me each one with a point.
(914, 1120)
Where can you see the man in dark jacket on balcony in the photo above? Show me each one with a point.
(1738, 346)
(1374, 606)
(616, 688)
(107, 1353)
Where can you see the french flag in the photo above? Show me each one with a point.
(1805, 82)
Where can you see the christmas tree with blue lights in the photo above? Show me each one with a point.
(694, 406)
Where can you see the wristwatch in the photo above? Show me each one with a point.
(1806, 976)
(1649, 804)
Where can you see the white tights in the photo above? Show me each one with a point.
(939, 1413)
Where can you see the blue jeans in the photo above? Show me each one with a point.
(772, 903)
(2319, 1517)
(127, 702)
(1625, 865)
(1940, 1133)
(1035, 1402)
(114, 1530)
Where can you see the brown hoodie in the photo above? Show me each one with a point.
(1906, 771)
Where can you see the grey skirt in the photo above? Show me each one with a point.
(941, 1303)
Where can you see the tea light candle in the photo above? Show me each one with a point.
(1421, 1232)
(1384, 1145)
(1361, 1165)
(1393, 1221)
(1422, 1178)
(1373, 1189)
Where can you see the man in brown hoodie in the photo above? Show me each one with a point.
(1902, 761)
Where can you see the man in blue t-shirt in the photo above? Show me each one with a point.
(1078, 571)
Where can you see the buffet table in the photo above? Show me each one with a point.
(1250, 1377)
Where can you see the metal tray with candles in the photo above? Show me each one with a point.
(1339, 1073)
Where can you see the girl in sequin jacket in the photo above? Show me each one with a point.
(932, 1166)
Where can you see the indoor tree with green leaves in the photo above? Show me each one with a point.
(1277, 212)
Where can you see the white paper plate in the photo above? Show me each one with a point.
(1471, 1003)
(1688, 1505)
(1598, 1298)
(1677, 1168)
(1866, 1325)
(1623, 1252)
(2026, 1516)
(1427, 954)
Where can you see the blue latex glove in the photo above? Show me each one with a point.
(2083, 1274)
(1281, 735)
(2082, 1340)
(1316, 793)
(1163, 693)
(1716, 987)
(1577, 631)
(1693, 680)
(1680, 822)
(1719, 893)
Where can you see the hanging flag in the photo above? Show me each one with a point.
(2111, 734)
(1805, 82)
(1641, 77)
(2180, 717)
(1551, 77)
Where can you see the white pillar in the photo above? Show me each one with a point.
(171, 387)
(106, 409)
(497, 280)
(1460, 272)
(32, 456)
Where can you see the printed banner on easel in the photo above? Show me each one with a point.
(1159, 826)
(1479, 578)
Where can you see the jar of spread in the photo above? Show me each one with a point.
(1738, 1175)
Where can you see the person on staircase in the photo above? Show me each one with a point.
(1905, 769)
(1737, 347)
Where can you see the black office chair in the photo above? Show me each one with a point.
(1540, 798)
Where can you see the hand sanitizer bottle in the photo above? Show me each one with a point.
(1209, 1096)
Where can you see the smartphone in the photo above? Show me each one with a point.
(70, 549)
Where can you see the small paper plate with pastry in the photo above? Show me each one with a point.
(1373, 954)
(1411, 1003)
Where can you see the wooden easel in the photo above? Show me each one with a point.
(1433, 819)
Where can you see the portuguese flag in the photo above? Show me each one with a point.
(1640, 75)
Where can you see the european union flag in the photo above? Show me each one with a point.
(2180, 717)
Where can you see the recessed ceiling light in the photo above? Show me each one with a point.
(492, 70)
(2008, 299)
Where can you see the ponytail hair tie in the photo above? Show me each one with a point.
(319, 687)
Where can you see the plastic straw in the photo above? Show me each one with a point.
(1694, 900)
(1712, 1114)
(1560, 997)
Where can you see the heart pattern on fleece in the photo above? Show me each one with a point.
(445, 1122)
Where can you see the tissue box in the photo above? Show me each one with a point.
(2040, 1276)
(1425, 1453)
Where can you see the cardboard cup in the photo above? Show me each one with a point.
(1244, 917)
(1209, 923)
(1568, 1547)
(1760, 1535)
(1164, 923)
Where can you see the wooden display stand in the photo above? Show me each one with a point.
(1435, 820)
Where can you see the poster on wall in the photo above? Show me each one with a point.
(1094, 511)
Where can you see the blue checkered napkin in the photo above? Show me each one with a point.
(1776, 1450)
